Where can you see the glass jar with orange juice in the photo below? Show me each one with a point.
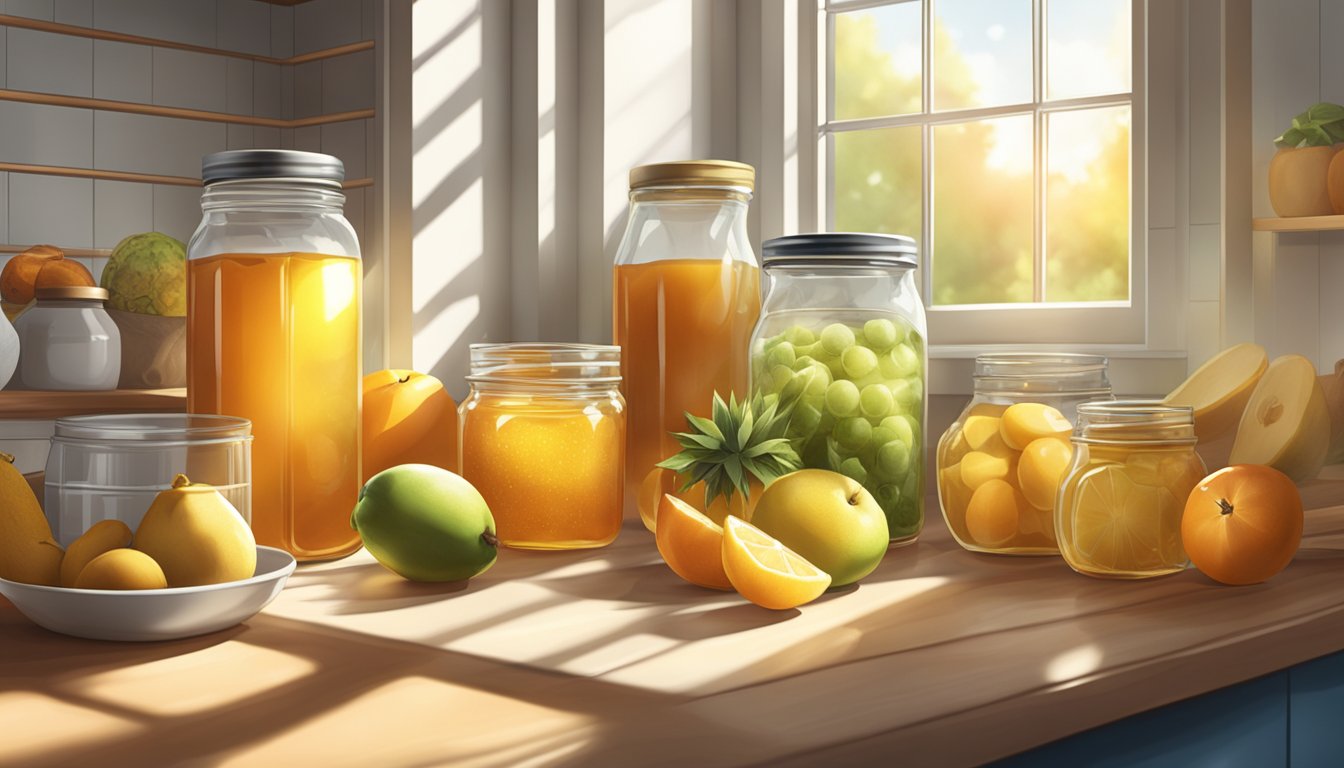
(1120, 506)
(273, 336)
(542, 437)
(1001, 462)
(687, 295)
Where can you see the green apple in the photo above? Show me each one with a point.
(426, 524)
(829, 519)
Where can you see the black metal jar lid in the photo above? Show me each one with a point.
(840, 249)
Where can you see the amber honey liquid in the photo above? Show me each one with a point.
(683, 326)
(274, 338)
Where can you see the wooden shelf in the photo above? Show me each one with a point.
(1298, 224)
(22, 404)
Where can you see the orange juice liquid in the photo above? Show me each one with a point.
(550, 469)
(683, 326)
(274, 338)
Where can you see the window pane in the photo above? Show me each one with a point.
(878, 180)
(981, 53)
(878, 61)
(1089, 49)
(983, 211)
(1087, 205)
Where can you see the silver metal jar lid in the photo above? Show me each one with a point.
(840, 249)
(238, 164)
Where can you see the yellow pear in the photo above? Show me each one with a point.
(103, 536)
(27, 551)
(196, 536)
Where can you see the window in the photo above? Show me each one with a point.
(1003, 135)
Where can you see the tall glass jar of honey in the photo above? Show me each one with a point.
(273, 336)
(687, 295)
(542, 437)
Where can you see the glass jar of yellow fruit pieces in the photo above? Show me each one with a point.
(1001, 461)
(1119, 509)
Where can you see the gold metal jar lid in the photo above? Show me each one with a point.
(71, 293)
(694, 173)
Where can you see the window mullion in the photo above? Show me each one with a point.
(926, 153)
(1038, 147)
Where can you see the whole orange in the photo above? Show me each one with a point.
(19, 276)
(1242, 524)
(408, 419)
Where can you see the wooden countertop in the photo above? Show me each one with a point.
(606, 658)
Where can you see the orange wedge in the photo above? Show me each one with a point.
(766, 572)
(690, 543)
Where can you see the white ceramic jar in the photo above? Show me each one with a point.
(9, 350)
(68, 341)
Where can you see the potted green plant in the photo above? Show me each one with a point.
(1304, 179)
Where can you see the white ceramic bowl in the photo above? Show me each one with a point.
(153, 614)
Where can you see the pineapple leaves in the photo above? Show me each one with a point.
(742, 442)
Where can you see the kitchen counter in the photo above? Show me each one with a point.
(606, 658)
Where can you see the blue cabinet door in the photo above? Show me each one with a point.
(1243, 725)
(1316, 713)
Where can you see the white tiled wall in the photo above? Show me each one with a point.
(80, 213)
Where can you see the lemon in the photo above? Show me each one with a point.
(691, 544)
(766, 572)
(1119, 526)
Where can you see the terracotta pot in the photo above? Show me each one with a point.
(1297, 181)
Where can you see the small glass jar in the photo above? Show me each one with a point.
(110, 467)
(541, 435)
(843, 322)
(1120, 506)
(69, 342)
(998, 494)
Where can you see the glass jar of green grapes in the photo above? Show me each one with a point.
(842, 335)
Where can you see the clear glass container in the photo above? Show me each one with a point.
(686, 296)
(1119, 510)
(843, 323)
(69, 342)
(542, 437)
(273, 336)
(110, 467)
(1014, 514)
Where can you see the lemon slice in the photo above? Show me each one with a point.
(1120, 526)
(766, 572)
(691, 544)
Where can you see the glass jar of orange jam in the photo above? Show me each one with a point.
(1120, 505)
(542, 436)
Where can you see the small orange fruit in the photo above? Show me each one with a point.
(1242, 524)
(690, 543)
(765, 571)
(993, 513)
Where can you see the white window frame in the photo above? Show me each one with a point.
(1118, 328)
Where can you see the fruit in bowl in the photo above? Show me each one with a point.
(28, 553)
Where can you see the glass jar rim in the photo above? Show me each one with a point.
(1032, 365)
(154, 427)
(1135, 421)
(557, 363)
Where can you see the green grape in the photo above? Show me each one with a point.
(888, 496)
(880, 333)
(900, 428)
(780, 376)
(903, 393)
(875, 401)
(842, 398)
(859, 362)
(837, 369)
(801, 362)
(804, 421)
(911, 488)
(781, 354)
(883, 435)
(905, 362)
(893, 458)
(820, 381)
(854, 468)
(836, 338)
(853, 432)
(797, 385)
(799, 336)
(917, 386)
(771, 342)
(914, 425)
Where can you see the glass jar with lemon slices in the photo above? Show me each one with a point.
(1001, 462)
(1119, 509)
